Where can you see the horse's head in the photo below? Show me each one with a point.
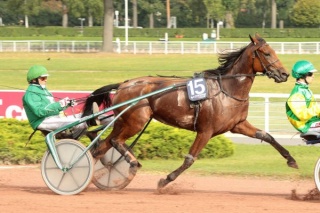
(265, 60)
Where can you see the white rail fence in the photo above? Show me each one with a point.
(267, 111)
(151, 47)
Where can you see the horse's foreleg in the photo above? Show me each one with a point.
(285, 153)
(200, 141)
(247, 129)
(100, 148)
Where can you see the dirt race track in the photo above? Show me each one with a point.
(23, 190)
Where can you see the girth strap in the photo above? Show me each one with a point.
(196, 105)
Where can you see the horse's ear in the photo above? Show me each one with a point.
(253, 40)
(257, 36)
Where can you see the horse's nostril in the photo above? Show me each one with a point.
(285, 76)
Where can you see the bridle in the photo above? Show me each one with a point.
(266, 70)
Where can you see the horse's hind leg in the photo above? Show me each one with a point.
(125, 129)
(247, 129)
(200, 141)
(188, 161)
(128, 156)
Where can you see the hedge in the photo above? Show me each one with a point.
(158, 142)
(159, 32)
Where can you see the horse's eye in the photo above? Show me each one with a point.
(267, 54)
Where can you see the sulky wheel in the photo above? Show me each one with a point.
(317, 174)
(111, 172)
(74, 180)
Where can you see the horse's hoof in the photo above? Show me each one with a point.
(293, 164)
(133, 167)
(162, 183)
(94, 153)
(135, 164)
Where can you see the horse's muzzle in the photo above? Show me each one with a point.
(278, 75)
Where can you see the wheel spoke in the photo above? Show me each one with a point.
(317, 174)
(72, 181)
(111, 171)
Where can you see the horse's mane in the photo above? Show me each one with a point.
(226, 60)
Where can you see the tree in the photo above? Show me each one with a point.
(273, 14)
(76, 7)
(215, 10)
(248, 14)
(25, 7)
(183, 13)
(135, 13)
(107, 45)
(7, 16)
(231, 10)
(199, 11)
(93, 8)
(168, 14)
(264, 12)
(152, 7)
(306, 13)
(49, 14)
(64, 13)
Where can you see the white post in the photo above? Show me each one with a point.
(134, 47)
(198, 48)
(166, 48)
(81, 24)
(150, 48)
(58, 46)
(117, 17)
(300, 51)
(266, 114)
(218, 33)
(182, 48)
(166, 36)
(126, 20)
(118, 45)
(29, 46)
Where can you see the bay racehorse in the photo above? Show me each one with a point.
(224, 108)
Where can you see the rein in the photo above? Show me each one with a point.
(218, 77)
(267, 72)
(222, 90)
(78, 100)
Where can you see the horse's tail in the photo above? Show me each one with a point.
(100, 96)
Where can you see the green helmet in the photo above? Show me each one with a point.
(36, 71)
(301, 68)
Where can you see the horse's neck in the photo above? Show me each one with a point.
(241, 83)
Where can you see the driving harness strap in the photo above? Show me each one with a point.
(196, 105)
(29, 139)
